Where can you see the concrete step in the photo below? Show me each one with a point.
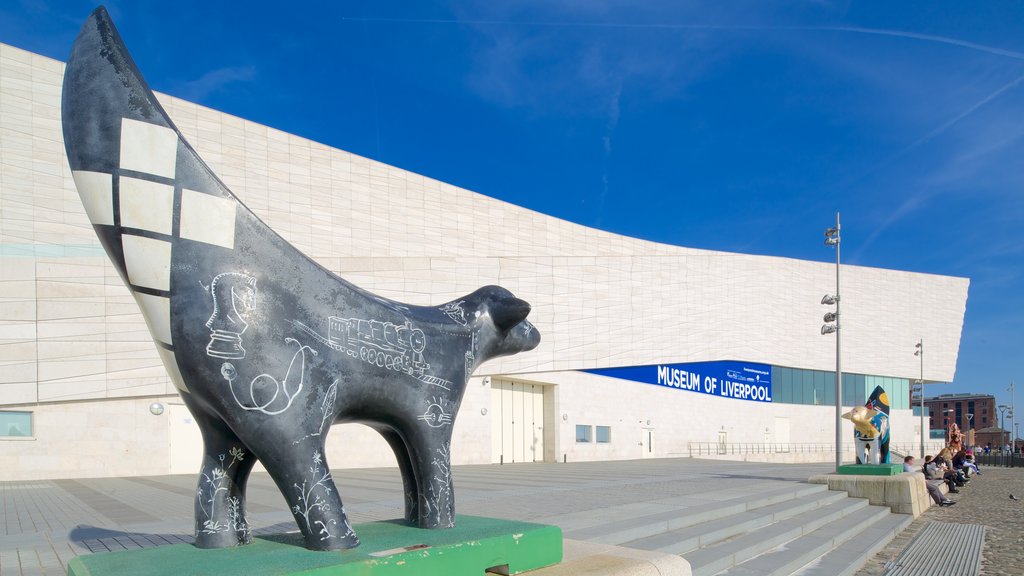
(620, 524)
(855, 552)
(796, 554)
(707, 533)
(725, 554)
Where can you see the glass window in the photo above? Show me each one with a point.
(604, 434)
(807, 391)
(15, 424)
(819, 387)
(583, 433)
(830, 389)
(781, 380)
(786, 386)
(849, 393)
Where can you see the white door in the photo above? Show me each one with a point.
(647, 442)
(185, 441)
(781, 434)
(518, 425)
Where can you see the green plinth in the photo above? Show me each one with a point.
(473, 546)
(870, 469)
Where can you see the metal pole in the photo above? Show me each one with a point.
(1002, 423)
(839, 370)
(920, 391)
(1013, 440)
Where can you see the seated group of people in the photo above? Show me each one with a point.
(955, 472)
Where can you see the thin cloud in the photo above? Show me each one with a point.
(214, 81)
(710, 27)
(918, 200)
(614, 112)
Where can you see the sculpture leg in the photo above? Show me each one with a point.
(304, 478)
(409, 484)
(220, 496)
(431, 459)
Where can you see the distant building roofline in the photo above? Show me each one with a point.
(961, 396)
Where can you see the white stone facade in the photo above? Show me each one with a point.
(75, 351)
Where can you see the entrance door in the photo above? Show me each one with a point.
(781, 434)
(517, 427)
(185, 441)
(647, 442)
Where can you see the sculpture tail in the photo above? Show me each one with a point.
(163, 217)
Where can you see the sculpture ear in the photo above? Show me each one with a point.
(508, 312)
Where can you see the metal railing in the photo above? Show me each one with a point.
(914, 449)
(698, 449)
(1000, 459)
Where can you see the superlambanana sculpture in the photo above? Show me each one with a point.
(871, 428)
(267, 347)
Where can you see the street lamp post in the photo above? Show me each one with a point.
(1013, 441)
(920, 389)
(1002, 417)
(832, 325)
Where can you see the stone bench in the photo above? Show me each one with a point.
(903, 493)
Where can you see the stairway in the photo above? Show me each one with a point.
(800, 529)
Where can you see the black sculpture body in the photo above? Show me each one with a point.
(267, 347)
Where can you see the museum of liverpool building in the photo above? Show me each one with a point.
(648, 350)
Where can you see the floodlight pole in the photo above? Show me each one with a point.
(839, 370)
(920, 390)
(833, 238)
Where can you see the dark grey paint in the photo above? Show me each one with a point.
(274, 348)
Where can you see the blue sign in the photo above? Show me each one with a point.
(726, 378)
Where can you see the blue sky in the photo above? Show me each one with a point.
(737, 126)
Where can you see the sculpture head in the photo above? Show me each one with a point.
(863, 420)
(501, 320)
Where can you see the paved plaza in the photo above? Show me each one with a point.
(46, 523)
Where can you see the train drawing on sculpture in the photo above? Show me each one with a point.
(385, 344)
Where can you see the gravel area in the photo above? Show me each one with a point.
(986, 501)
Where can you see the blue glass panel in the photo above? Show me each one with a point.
(15, 423)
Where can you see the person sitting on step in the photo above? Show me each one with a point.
(933, 488)
(935, 469)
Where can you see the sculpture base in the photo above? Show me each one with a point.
(476, 544)
(870, 469)
(904, 493)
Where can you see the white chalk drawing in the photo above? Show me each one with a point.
(210, 487)
(471, 356)
(383, 344)
(234, 294)
(312, 499)
(269, 388)
(437, 503)
(326, 411)
(455, 311)
(435, 415)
